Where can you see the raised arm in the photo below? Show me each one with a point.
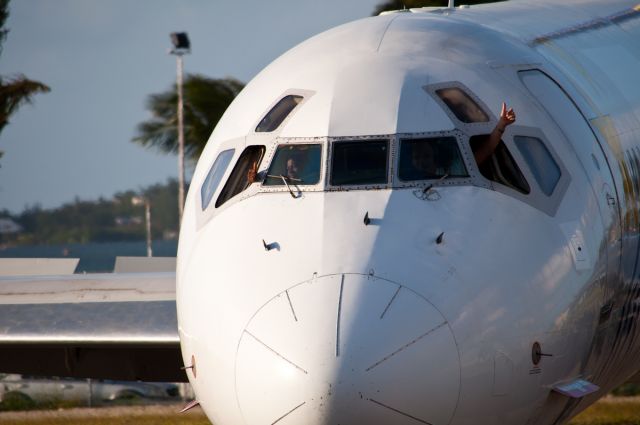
(507, 117)
(252, 173)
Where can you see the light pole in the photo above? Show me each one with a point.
(139, 200)
(181, 46)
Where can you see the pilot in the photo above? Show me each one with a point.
(292, 169)
(435, 159)
(252, 173)
(424, 161)
(488, 146)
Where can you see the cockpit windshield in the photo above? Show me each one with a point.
(296, 164)
(362, 162)
(461, 104)
(278, 113)
(430, 158)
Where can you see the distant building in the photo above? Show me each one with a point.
(170, 235)
(128, 221)
(8, 226)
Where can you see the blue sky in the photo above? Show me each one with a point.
(102, 58)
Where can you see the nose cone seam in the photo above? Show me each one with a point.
(347, 348)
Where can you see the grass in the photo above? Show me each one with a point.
(609, 411)
(120, 415)
(135, 420)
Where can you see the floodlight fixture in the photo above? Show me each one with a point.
(180, 41)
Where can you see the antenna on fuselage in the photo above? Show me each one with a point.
(452, 4)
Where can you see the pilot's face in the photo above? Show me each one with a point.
(292, 168)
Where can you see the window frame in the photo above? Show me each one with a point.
(305, 94)
(222, 178)
(536, 196)
(550, 157)
(277, 148)
(270, 155)
(237, 196)
(465, 153)
(204, 216)
(509, 145)
(442, 97)
(391, 146)
(472, 127)
(283, 119)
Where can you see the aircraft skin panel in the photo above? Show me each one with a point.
(117, 326)
(365, 40)
(531, 21)
(600, 60)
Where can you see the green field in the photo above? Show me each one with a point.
(145, 420)
(610, 411)
(122, 415)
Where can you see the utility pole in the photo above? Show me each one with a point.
(140, 200)
(181, 46)
(147, 221)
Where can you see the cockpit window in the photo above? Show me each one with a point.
(243, 173)
(278, 113)
(462, 106)
(359, 162)
(544, 169)
(215, 175)
(297, 164)
(432, 158)
(500, 166)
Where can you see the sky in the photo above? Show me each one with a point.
(102, 58)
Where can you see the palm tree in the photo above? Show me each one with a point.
(205, 100)
(17, 90)
(14, 92)
(402, 4)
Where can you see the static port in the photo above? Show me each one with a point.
(536, 353)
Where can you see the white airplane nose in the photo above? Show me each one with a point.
(347, 349)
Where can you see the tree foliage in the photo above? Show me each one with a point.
(17, 90)
(408, 4)
(205, 100)
(14, 92)
(104, 220)
(4, 14)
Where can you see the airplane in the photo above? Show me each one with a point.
(325, 277)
